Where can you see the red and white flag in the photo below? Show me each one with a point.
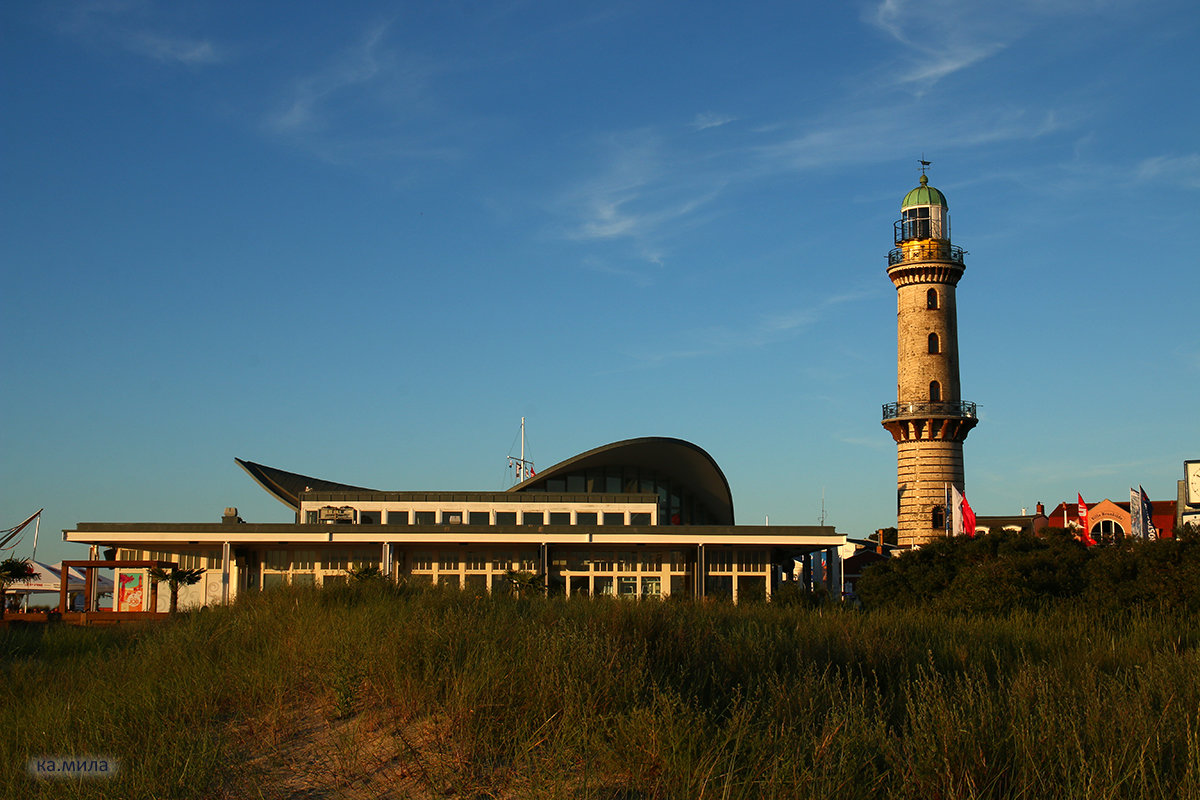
(961, 513)
(968, 517)
(1083, 520)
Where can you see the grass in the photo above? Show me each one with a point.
(376, 692)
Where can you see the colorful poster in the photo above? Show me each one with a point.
(129, 592)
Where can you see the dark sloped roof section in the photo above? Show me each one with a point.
(288, 486)
(682, 461)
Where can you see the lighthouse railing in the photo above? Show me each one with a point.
(929, 409)
(928, 250)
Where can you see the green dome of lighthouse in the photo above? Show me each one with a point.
(924, 195)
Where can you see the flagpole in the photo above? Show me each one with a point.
(37, 526)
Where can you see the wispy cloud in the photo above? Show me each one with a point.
(767, 328)
(160, 47)
(650, 186)
(943, 37)
(710, 120)
(641, 190)
(370, 102)
(311, 93)
(1182, 170)
(133, 27)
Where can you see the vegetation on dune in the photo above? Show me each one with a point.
(1005, 571)
(373, 690)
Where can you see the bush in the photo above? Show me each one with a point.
(1006, 571)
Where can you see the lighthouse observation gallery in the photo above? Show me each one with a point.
(929, 419)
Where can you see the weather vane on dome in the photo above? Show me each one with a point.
(924, 164)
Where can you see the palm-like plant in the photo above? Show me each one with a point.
(525, 584)
(14, 570)
(176, 577)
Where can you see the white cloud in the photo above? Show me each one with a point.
(129, 26)
(947, 36)
(710, 120)
(762, 330)
(370, 103)
(1182, 170)
(309, 94)
(168, 48)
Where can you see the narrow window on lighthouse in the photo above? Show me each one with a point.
(935, 392)
(931, 300)
(938, 520)
(934, 347)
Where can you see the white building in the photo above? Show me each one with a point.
(641, 518)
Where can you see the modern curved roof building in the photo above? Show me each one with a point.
(645, 517)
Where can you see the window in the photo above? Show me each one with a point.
(931, 300)
(916, 223)
(426, 517)
(452, 517)
(476, 561)
(479, 518)
(560, 517)
(311, 518)
(368, 517)
(639, 518)
(937, 518)
(533, 517)
(614, 519)
(585, 518)
(1108, 531)
(397, 518)
(506, 518)
(449, 561)
(719, 561)
(367, 557)
(934, 344)
(422, 560)
(752, 561)
(935, 392)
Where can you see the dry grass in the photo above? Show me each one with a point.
(380, 693)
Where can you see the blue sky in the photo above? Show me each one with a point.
(362, 243)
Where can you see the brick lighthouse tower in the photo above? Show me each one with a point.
(929, 419)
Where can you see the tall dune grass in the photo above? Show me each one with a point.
(450, 695)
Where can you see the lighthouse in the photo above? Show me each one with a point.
(929, 420)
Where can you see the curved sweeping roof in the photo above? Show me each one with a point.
(288, 486)
(680, 462)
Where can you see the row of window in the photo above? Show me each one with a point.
(309, 560)
(348, 515)
(203, 560)
(677, 503)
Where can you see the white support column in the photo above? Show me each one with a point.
(225, 554)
